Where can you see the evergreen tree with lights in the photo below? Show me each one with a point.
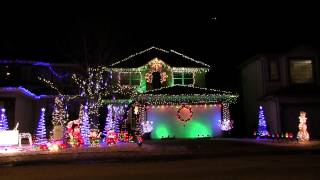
(3, 120)
(59, 114)
(262, 125)
(85, 125)
(41, 130)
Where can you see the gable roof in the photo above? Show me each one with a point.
(170, 57)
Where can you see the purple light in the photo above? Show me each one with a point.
(3, 110)
(43, 109)
(41, 64)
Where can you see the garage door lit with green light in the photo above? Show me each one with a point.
(204, 122)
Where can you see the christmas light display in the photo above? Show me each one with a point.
(303, 134)
(59, 113)
(262, 125)
(156, 65)
(112, 137)
(93, 88)
(85, 125)
(226, 124)
(138, 53)
(204, 122)
(147, 126)
(165, 51)
(36, 63)
(124, 136)
(114, 118)
(109, 124)
(137, 118)
(50, 84)
(22, 90)
(217, 96)
(95, 136)
(3, 120)
(41, 133)
(74, 133)
(184, 113)
(117, 118)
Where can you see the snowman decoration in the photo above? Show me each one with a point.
(303, 134)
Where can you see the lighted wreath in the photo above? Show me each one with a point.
(185, 113)
(156, 66)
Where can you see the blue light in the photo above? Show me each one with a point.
(36, 63)
(23, 91)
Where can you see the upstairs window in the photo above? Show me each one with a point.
(301, 71)
(183, 78)
(130, 79)
(274, 73)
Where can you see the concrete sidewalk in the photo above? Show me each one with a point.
(159, 150)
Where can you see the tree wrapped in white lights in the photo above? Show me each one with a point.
(59, 114)
(85, 125)
(303, 134)
(226, 124)
(41, 133)
(114, 118)
(92, 88)
(3, 120)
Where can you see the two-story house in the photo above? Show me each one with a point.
(170, 92)
(162, 87)
(284, 84)
(22, 94)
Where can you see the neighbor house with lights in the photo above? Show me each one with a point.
(169, 92)
(284, 84)
(23, 95)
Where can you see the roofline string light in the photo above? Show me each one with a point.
(153, 47)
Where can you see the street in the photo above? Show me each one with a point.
(242, 167)
(172, 159)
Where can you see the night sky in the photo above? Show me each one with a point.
(222, 36)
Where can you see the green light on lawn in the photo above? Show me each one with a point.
(196, 129)
(161, 131)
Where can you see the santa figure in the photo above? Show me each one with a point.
(74, 133)
(303, 134)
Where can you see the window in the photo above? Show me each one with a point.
(274, 70)
(132, 79)
(135, 79)
(301, 71)
(183, 78)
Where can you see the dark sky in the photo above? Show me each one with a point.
(56, 32)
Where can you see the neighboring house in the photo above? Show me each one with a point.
(284, 84)
(19, 85)
(170, 91)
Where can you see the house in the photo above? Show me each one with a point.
(284, 84)
(169, 91)
(22, 93)
(156, 91)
